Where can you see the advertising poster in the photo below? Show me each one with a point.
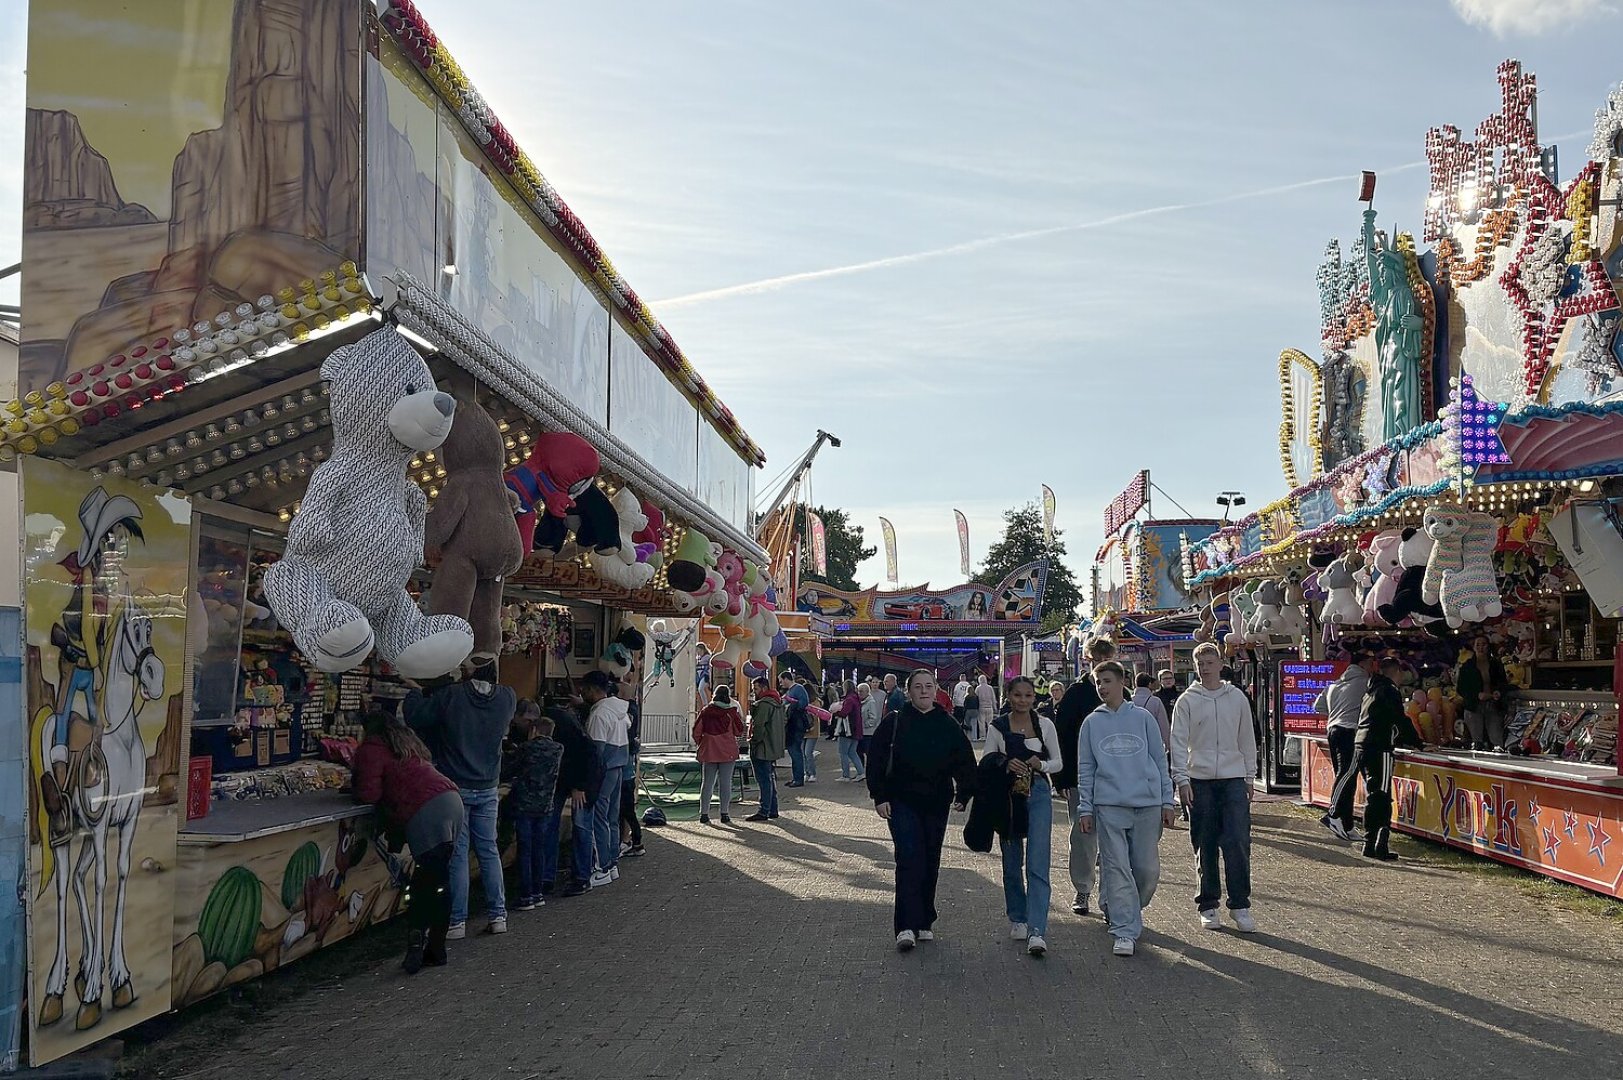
(179, 162)
(1300, 684)
(819, 544)
(106, 566)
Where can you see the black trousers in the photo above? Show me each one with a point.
(430, 907)
(1344, 760)
(628, 806)
(1374, 764)
(918, 835)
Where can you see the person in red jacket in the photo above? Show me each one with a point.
(716, 734)
(848, 729)
(393, 772)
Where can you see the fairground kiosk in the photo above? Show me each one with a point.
(1452, 462)
(304, 173)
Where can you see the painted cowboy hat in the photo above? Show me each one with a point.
(98, 514)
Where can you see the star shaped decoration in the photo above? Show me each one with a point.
(1598, 839)
(1569, 824)
(1472, 425)
(1533, 808)
(1552, 844)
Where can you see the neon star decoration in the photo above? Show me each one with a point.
(1471, 429)
(1598, 839)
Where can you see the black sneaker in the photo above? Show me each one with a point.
(577, 888)
(548, 888)
(1079, 907)
(637, 849)
(704, 819)
(416, 944)
(757, 817)
(725, 820)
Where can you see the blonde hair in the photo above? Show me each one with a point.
(1208, 648)
(1111, 667)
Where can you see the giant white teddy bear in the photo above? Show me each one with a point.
(1459, 574)
(621, 567)
(340, 586)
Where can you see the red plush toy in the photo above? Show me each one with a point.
(650, 538)
(560, 467)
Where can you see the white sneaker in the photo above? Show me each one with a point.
(1355, 835)
(625, 847)
(601, 878)
(1122, 947)
(1035, 945)
(1243, 922)
(457, 932)
(1211, 920)
(497, 926)
(1336, 827)
(842, 779)
(614, 873)
(813, 780)
(926, 935)
(1018, 931)
(905, 941)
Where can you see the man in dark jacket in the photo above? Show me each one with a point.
(1078, 702)
(530, 769)
(464, 724)
(1382, 725)
(580, 774)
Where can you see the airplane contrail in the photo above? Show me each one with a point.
(773, 284)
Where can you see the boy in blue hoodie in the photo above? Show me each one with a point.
(1125, 792)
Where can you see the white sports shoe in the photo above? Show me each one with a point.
(905, 941)
(614, 873)
(1035, 945)
(1018, 931)
(926, 935)
(1123, 946)
(497, 926)
(601, 878)
(1211, 920)
(457, 932)
(1355, 835)
(1243, 922)
(1336, 827)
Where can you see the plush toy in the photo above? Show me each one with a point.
(1384, 561)
(1408, 601)
(340, 585)
(1292, 620)
(1342, 607)
(650, 539)
(616, 661)
(731, 568)
(473, 529)
(1242, 616)
(1269, 621)
(691, 562)
(621, 567)
(595, 522)
(1459, 575)
(561, 465)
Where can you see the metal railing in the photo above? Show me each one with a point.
(667, 729)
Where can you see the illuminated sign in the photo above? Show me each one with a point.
(1300, 684)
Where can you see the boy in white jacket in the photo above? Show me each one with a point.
(1214, 752)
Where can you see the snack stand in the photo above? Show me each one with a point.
(1455, 483)
(172, 410)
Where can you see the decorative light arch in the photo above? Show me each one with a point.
(1291, 361)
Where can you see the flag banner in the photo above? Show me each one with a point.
(890, 550)
(819, 544)
(963, 541)
(1048, 513)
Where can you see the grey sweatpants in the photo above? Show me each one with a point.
(717, 775)
(1084, 852)
(1129, 864)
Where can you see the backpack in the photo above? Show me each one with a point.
(653, 817)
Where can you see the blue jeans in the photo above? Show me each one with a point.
(83, 683)
(1220, 823)
(810, 745)
(1025, 863)
(797, 759)
(606, 814)
(768, 782)
(849, 758)
(581, 848)
(531, 830)
(480, 824)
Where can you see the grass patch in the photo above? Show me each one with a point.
(1434, 855)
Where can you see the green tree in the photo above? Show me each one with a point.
(1023, 542)
(845, 548)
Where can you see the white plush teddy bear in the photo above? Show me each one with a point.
(1343, 605)
(340, 586)
(621, 567)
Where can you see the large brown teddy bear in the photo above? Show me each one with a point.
(472, 527)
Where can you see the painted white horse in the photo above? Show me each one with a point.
(108, 798)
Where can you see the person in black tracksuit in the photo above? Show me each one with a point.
(1382, 725)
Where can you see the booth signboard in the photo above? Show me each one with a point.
(1300, 683)
(106, 565)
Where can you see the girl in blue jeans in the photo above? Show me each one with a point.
(1031, 744)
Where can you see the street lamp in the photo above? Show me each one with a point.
(1228, 500)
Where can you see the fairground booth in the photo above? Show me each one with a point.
(303, 330)
(965, 630)
(1141, 600)
(1452, 462)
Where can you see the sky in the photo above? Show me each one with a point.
(1036, 242)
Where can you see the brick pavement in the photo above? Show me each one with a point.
(765, 952)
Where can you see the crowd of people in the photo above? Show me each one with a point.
(1128, 761)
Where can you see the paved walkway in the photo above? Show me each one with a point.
(765, 951)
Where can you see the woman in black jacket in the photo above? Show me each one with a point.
(916, 758)
(1483, 687)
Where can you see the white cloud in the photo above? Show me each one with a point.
(1506, 17)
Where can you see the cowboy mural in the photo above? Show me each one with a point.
(80, 637)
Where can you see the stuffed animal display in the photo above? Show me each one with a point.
(625, 566)
(1408, 599)
(473, 529)
(1384, 562)
(1342, 607)
(560, 467)
(1459, 575)
(340, 586)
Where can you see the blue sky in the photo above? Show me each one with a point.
(714, 147)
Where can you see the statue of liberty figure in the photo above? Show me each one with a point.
(1397, 333)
